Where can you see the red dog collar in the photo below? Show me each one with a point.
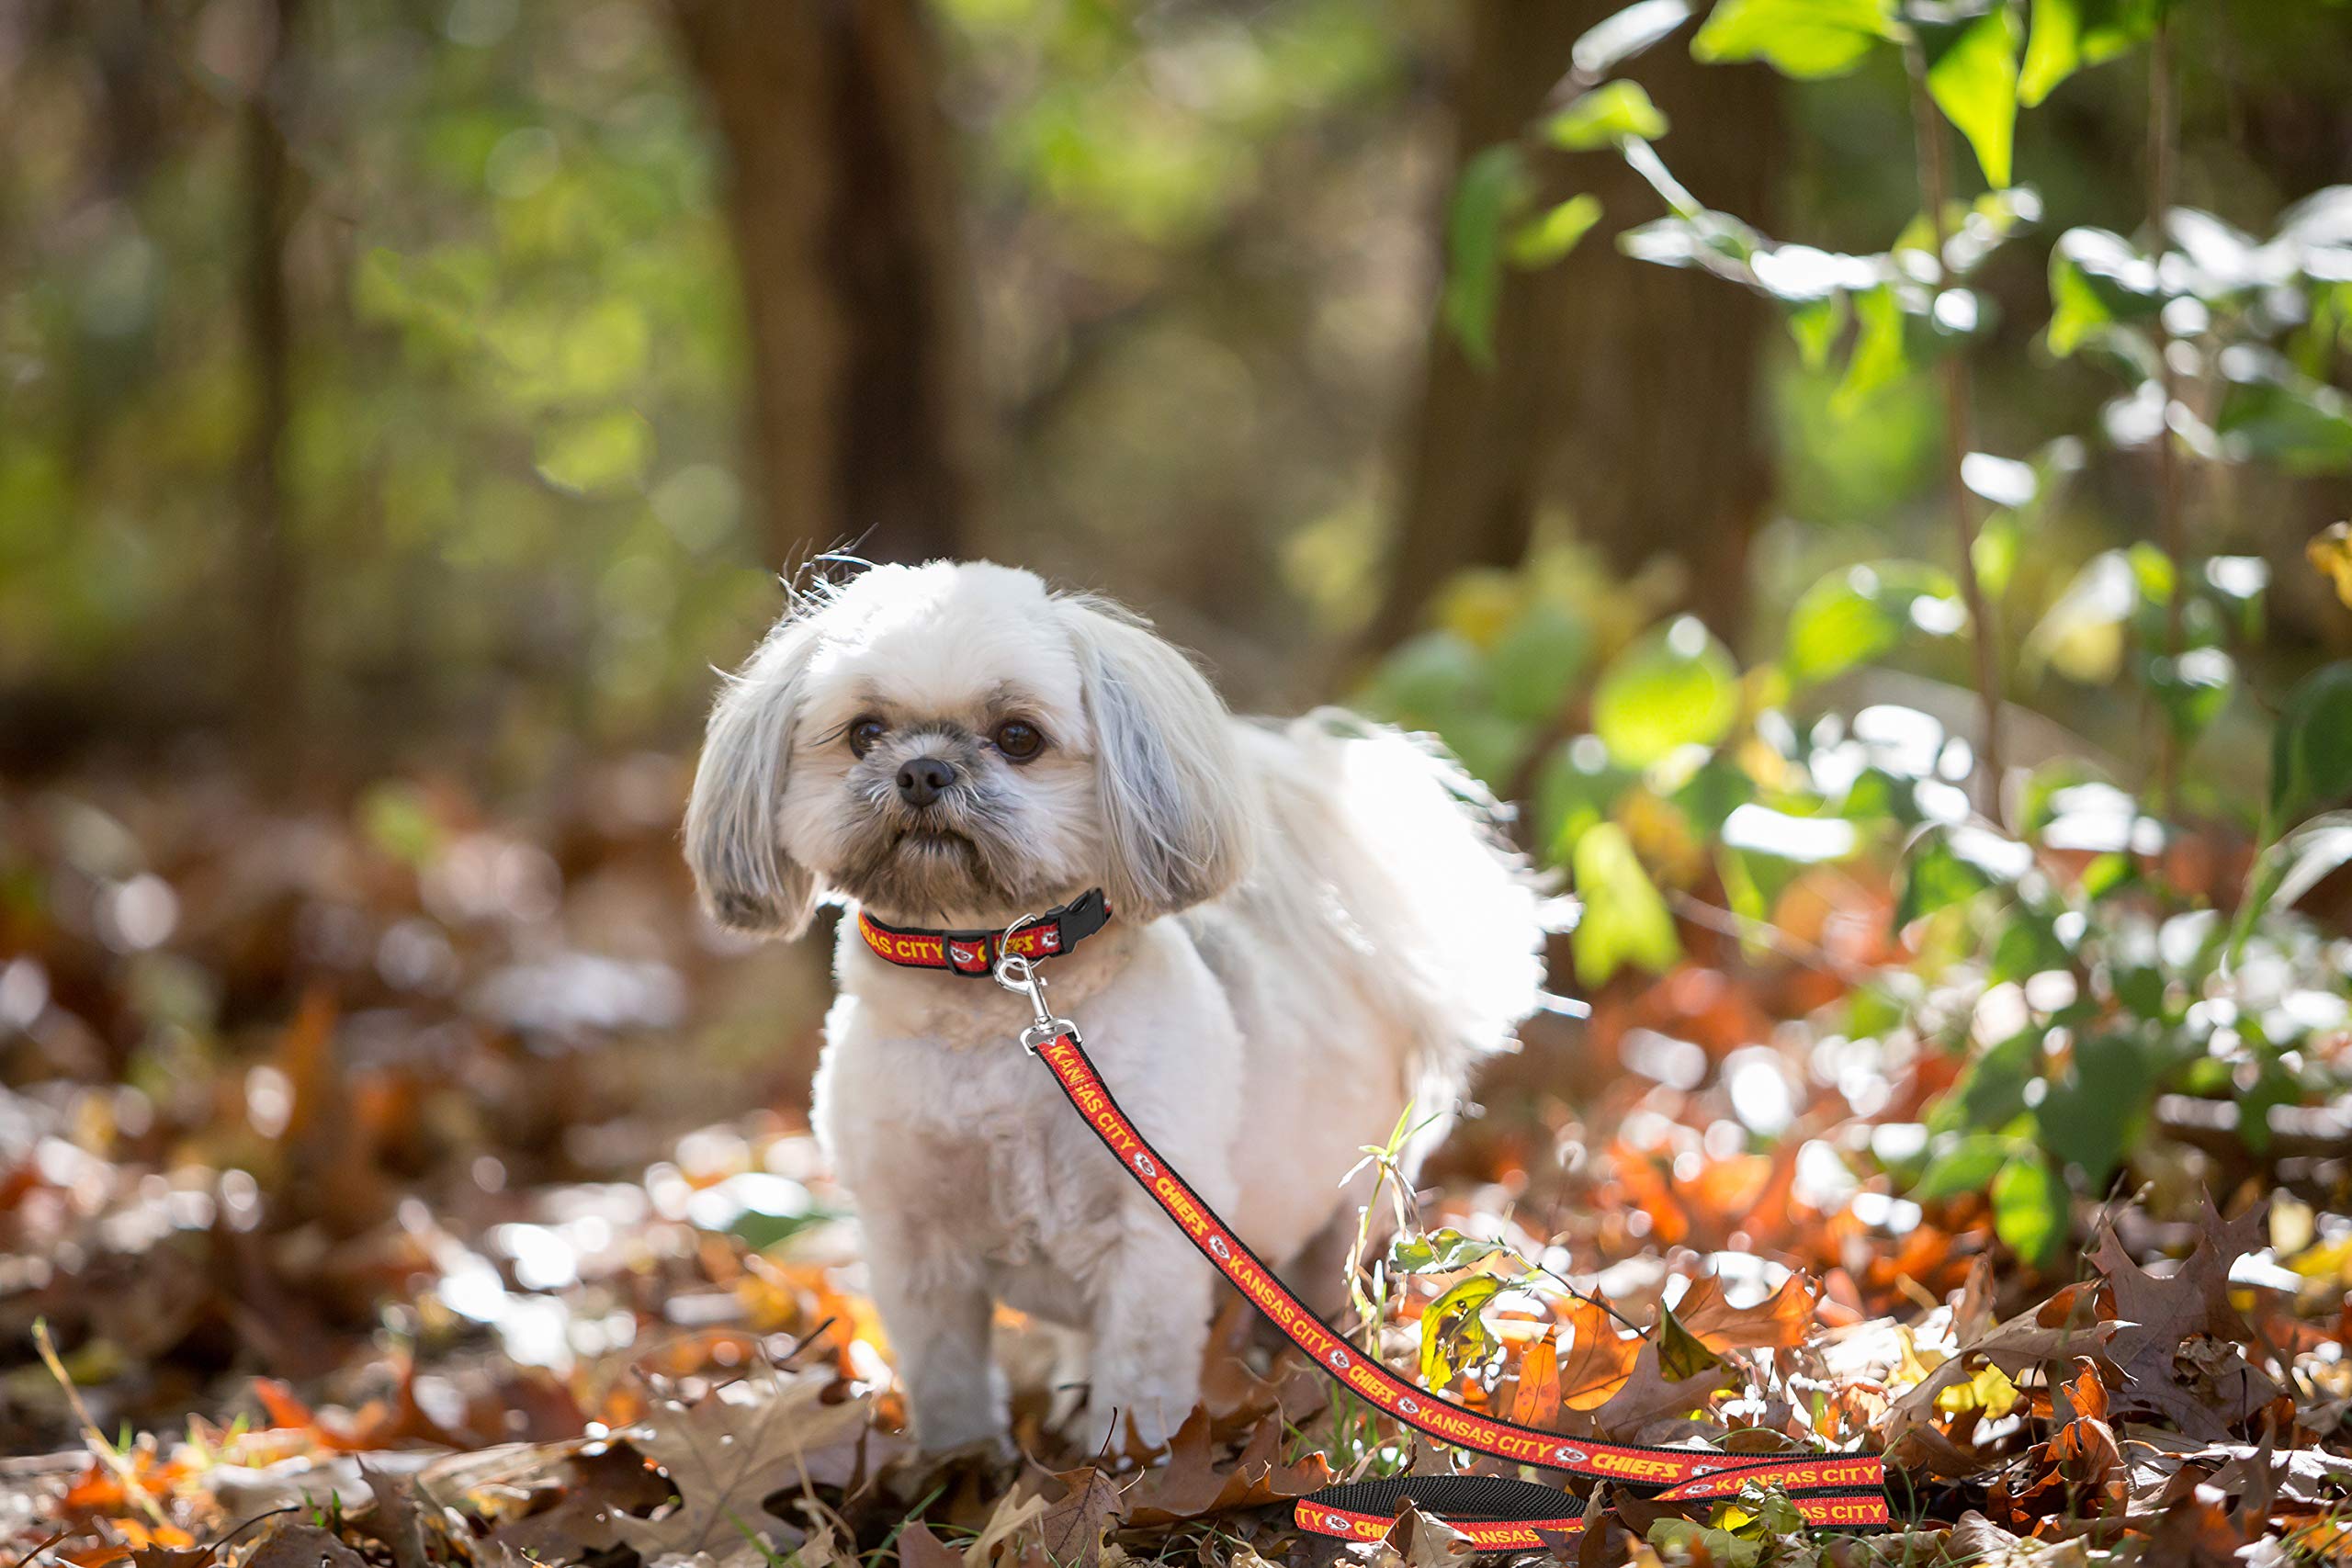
(1055, 932)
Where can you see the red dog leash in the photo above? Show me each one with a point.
(1496, 1513)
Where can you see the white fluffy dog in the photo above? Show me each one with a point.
(1311, 928)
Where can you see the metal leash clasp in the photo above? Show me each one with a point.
(1017, 973)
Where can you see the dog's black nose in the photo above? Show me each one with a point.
(921, 779)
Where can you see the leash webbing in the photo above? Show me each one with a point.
(1839, 1490)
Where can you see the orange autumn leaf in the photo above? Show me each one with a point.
(1538, 1398)
(1779, 1322)
(1597, 1360)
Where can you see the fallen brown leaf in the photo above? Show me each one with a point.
(291, 1545)
(731, 1450)
(1073, 1526)
(1194, 1482)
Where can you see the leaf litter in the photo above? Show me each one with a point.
(634, 1330)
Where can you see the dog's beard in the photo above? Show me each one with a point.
(958, 855)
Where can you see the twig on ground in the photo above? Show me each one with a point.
(103, 1451)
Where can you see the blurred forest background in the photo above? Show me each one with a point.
(447, 382)
(1858, 476)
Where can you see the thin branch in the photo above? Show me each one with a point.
(1927, 139)
(2163, 139)
(1763, 933)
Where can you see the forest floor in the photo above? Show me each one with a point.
(399, 1186)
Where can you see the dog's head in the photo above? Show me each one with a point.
(951, 744)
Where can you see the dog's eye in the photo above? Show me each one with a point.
(1019, 740)
(864, 733)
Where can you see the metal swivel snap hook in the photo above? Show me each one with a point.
(1018, 972)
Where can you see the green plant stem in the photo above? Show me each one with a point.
(1951, 373)
(2164, 138)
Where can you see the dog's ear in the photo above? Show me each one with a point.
(1174, 805)
(733, 840)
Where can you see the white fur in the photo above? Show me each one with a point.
(1311, 929)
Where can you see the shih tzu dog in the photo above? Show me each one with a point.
(1311, 927)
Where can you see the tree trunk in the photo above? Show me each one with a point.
(269, 698)
(1623, 393)
(862, 417)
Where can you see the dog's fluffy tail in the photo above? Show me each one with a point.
(1395, 862)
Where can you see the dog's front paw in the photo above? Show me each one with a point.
(961, 1415)
(1137, 1422)
(992, 1451)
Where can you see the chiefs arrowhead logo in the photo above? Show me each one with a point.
(1050, 940)
(960, 954)
(1143, 1163)
(1338, 1357)
(1408, 1406)
(1704, 1469)
(1567, 1455)
(1223, 1253)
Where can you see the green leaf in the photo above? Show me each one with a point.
(1862, 612)
(1804, 38)
(1691, 1541)
(2028, 945)
(2030, 1207)
(1946, 865)
(1681, 1355)
(1438, 1252)
(2273, 412)
(1966, 1166)
(1539, 657)
(1604, 116)
(2311, 756)
(1878, 359)
(2069, 35)
(2299, 863)
(1426, 678)
(2093, 1114)
(1673, 686)
(1989, 1094)
(1625, 921)
(1974, 82)
(1452, 1332)
(1541, 241)
(1493, 187)
(1816, 326)
(1488, 744)
(2053, 52)
(597, 454)
(2097, 280)
(2192, 689)
(1575, 787)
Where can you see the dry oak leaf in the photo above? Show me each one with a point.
(1649, 1394)
(729, 1451)
(1192, 1483)
(597, 1489)
(1535, 1397)
(292, 1545)
(2059, 1329)
(918, 1548)
(1424, 1540)
(1780, 1322)
(2187, 1318)
(1597, 1360)
(1073, 1526)
(1015, 1511)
